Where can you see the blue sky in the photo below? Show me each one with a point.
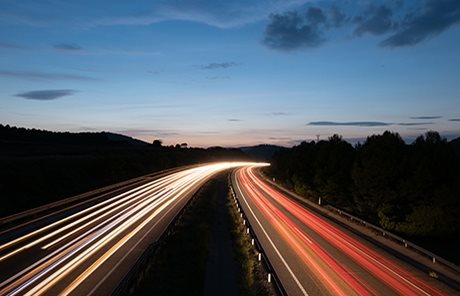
(232, 73)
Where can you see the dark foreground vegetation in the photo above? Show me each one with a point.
(411, 189)
(180, 262)
(38, 167)
(252, 275)
(178, 265)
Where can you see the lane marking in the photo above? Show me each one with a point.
(271, 242)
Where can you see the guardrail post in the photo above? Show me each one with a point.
(259, 257)
(269, 279)
(247, 230)
(434, 259)
(252, 242)
(319, 200)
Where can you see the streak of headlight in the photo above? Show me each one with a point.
(140, 201)
(395, 276)
(67, 219)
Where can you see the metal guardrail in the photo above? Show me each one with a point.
(272, 276)
(434, 258)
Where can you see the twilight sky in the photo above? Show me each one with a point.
(231, 73)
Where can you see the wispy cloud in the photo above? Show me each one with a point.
(7, 45)
(68, 47)
(213, 66)
(367, 123)
(279, 114)
(46, 95)
(32, 75)
(350, 123)
(234, 119)
(218, 77)
(426, 117)
(454, 119)
(222, 14)
(415, 123)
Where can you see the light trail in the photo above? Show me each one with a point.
(73, 248)
(291, 220)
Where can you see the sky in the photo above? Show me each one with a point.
(232, 73)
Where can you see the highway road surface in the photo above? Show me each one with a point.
(90, 251)
(313, 255)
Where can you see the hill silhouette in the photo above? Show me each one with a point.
(40, 166)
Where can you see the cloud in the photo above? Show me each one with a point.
(292, 30)
(351, 123)
(454, 119)
(68, 47)
(366, 123)
(7, 45)
(414, 123)
(403, 25)
(279, 114)
(31, 75)
(436, 17)
(426, 117)
(218, 77)
(46, 95)
(234, 119)
(377, 20)
(213, 66)
(217, 13)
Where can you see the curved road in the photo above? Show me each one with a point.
(315, 256)
(91, 250)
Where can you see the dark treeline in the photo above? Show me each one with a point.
(411, 189)
(38, 167)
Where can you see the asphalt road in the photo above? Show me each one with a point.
(313, 255)
(89, 251)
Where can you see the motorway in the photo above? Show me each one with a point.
(89, 251)
(313, 255)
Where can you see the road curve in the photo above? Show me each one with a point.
(90, 251)
(315, 256)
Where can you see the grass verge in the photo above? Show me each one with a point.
(178, 264)
(253, 277)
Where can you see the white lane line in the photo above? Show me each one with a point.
(271, 242)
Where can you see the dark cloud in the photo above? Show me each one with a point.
(436, 17)
(414, 123)
(402, 27)
(338, 18)
(234, 119)
(46, 95)
(454, 119)
(218, 77)
(213, 66)
(279, 114)
(292, 30)
(7, 45)
(376, 20)
(44, 76)
(351, 123)
(426, 117)
(68, 47)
